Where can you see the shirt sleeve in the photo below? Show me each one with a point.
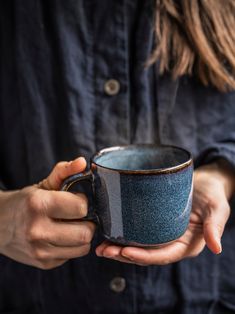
(219, 150)
(219, 130)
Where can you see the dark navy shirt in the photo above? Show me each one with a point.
(57, 102)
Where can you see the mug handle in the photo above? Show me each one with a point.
(79, 178)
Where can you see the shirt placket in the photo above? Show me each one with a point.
(112, 118)
(111, 86)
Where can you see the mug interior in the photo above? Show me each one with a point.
(142, 157)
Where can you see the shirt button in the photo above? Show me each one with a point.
(112, 87)
(118, 284)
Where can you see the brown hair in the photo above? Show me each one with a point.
(196, 36)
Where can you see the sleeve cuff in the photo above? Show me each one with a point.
(217, 152)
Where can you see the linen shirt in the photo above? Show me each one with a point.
(57, 103)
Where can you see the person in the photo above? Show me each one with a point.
(77, 76)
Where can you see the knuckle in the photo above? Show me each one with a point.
(220, 227)
(212, 204)
(40, 255)
(196, 252)
(83, 205)
(227, 210)
(86, 235)
(34, 233)
(85, 250)
(83, 210)
(193, 254)
(31, 235)
(33, 201)
(91, 225)
(57, 172)
(60, 165)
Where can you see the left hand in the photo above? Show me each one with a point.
(213, 186)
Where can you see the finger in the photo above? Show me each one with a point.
(108, 250)
(61, 171)
(63, 234)
(99, 250)
(217, 214)
(114, 252)
(111, 251)
(52, 253)
(156, 256)
(70, 252)
(72, 234)
(122, 259)
(46, 265)
(161, 255)
(64, 205)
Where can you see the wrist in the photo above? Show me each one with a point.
(221, 171)
(6, 218)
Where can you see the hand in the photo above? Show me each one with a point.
(210, 212)
(40, 226)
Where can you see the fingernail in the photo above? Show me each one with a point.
(220, 248)
(80, 158)
(218, 241)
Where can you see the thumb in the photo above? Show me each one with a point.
(214, 223)
(61, 171)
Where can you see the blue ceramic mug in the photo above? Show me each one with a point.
(142, 193)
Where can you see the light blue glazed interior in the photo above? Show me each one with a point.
(142, 158)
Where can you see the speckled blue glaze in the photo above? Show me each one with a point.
(136, 201)
(156, 210)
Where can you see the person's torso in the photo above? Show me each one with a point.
(57, 102)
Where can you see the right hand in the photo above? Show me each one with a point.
(39, 225)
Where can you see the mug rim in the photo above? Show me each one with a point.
(173, 169)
